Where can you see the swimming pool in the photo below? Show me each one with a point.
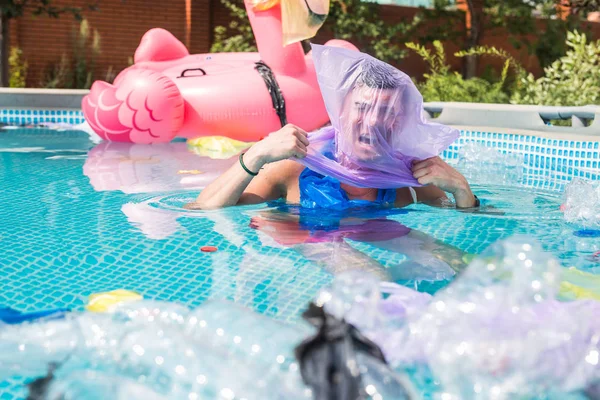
(79, 218)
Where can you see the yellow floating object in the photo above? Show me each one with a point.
(190, 172)
(219, 147)
(577, 284)
(469, 257)
(262, 5)
(103, 302)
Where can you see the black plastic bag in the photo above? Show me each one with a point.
(328, 362)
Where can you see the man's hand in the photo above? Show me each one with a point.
(289, 141)
(434, 171)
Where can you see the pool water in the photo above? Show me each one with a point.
(78, 218)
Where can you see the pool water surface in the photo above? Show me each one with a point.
(79, 218)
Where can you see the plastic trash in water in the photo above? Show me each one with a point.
(94, 385)
(339, 362)
(254, 339)
(487, 165)
(153, 344)
(102, 302)
(11, 316)
(216, 147)
(155, 350)
(496, 332)
(479, 153)
(577, 284)
(582, 203)
(357, 297)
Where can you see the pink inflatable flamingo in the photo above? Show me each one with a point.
(244, 96)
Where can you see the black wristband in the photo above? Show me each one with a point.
(244, 166)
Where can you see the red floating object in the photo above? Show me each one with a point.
(208, 249)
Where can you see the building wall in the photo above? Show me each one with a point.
(122, 23)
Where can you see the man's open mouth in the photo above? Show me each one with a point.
(365, 139)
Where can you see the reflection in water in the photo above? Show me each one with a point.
(426, 259)
(155, 223)
(272, 246)
(137, 168)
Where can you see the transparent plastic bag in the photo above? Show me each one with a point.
(377, 123)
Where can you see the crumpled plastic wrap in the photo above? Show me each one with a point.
(377, 123)
(158, 350)
(496, 332)
(474, 152)
(152, 348)
(487, 165)
(582, 203)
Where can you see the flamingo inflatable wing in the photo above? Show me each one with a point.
(169, 92)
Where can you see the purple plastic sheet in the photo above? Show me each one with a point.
(377, 124)
(498, 331)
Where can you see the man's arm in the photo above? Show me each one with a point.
(437, 173)
(271, 183)
(243, 184)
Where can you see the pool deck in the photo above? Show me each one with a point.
(530, 118)
(518, 119)
(41, 98)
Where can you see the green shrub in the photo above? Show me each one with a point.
(442, 84)
(572, 80)
(84, 59)
(237, 36)
(78, 72)
(18, 68)
(58, 75)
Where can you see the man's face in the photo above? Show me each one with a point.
(368, 119)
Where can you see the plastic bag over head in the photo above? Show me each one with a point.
(377, 124)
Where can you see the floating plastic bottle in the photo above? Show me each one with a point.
(582, 203)
(497, 331)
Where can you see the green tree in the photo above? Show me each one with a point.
(582, 5)
(360, 21)
(495, 17)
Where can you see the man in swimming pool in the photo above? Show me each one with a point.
(268, 171)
